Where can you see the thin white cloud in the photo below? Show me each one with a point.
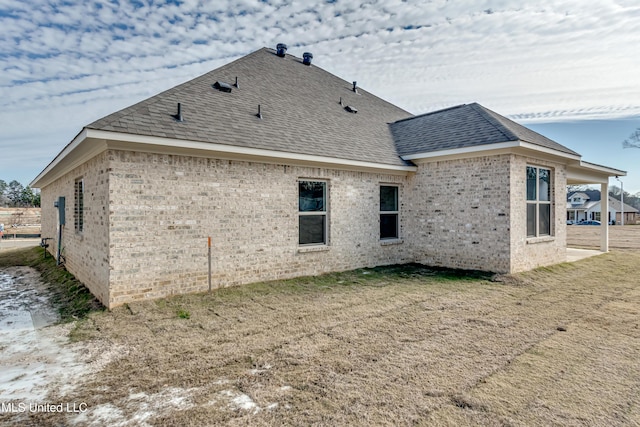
(66, 63)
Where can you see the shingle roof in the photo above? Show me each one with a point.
(302, 114)
(594, 198)
(467, 125)
(300, 106)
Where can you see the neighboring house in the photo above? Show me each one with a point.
(294, 171)
(585, 205)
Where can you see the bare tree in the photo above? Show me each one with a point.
(633, 141)
(575, 188)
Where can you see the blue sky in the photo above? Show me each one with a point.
(568, 69)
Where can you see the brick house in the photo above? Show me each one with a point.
(293, 171)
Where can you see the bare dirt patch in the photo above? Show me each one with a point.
(386, 346)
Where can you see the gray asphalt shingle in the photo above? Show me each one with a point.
(299, 104)
(467, 125)
(301, 113)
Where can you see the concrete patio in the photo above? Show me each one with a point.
(575, 254)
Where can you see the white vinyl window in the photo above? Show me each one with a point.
(538, 201)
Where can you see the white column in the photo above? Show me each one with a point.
(604, 224)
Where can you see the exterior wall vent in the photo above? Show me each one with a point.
(222, 86)
(306, 58)
(281, 49)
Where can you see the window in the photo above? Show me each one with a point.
(389, 212)
(78, 205)
(538, 202)
(312, 212)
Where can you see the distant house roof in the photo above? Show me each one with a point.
(580, 195)
(592, 198)
(592, 195)
(615, 204)
(463, 126)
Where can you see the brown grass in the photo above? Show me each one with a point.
(588, 236)
(387, 346)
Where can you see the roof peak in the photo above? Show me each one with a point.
(430, 113)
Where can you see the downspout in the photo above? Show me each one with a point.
(60, 204)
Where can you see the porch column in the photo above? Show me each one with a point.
(604, 224)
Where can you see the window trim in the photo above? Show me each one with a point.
(537, 203)
(384, 212)
(324, 213)
(78, 205)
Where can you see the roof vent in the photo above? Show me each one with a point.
(178, 115)
(236, 84)
(350, 109)
(222, 86)
(355, 87)
(306, 58)
(281, 49)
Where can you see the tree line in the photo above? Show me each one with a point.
(629, 199)
(15, 194)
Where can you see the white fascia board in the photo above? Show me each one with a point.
(232, 150)
(61, 156)
(603, 169)
(550, 151)
(488, 148)
(461, 151)
(590, 173)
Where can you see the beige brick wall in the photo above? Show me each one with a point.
(86, 253)
(529, 253)
(163, 207)
(461, 213)
(148, 216)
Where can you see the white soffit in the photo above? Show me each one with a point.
(91, 142)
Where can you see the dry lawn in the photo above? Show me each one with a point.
(587, 236)
(387, 346)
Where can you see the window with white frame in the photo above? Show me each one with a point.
(78, 205)
(312, 212)
(389, 224)
(538, 201)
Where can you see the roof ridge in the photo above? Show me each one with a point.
(484, 113)
(430, 113)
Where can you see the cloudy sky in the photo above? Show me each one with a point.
(569, 69)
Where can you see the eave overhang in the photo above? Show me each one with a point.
(591, 173)
(578, 171)
(91, 142)
(507, 147)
